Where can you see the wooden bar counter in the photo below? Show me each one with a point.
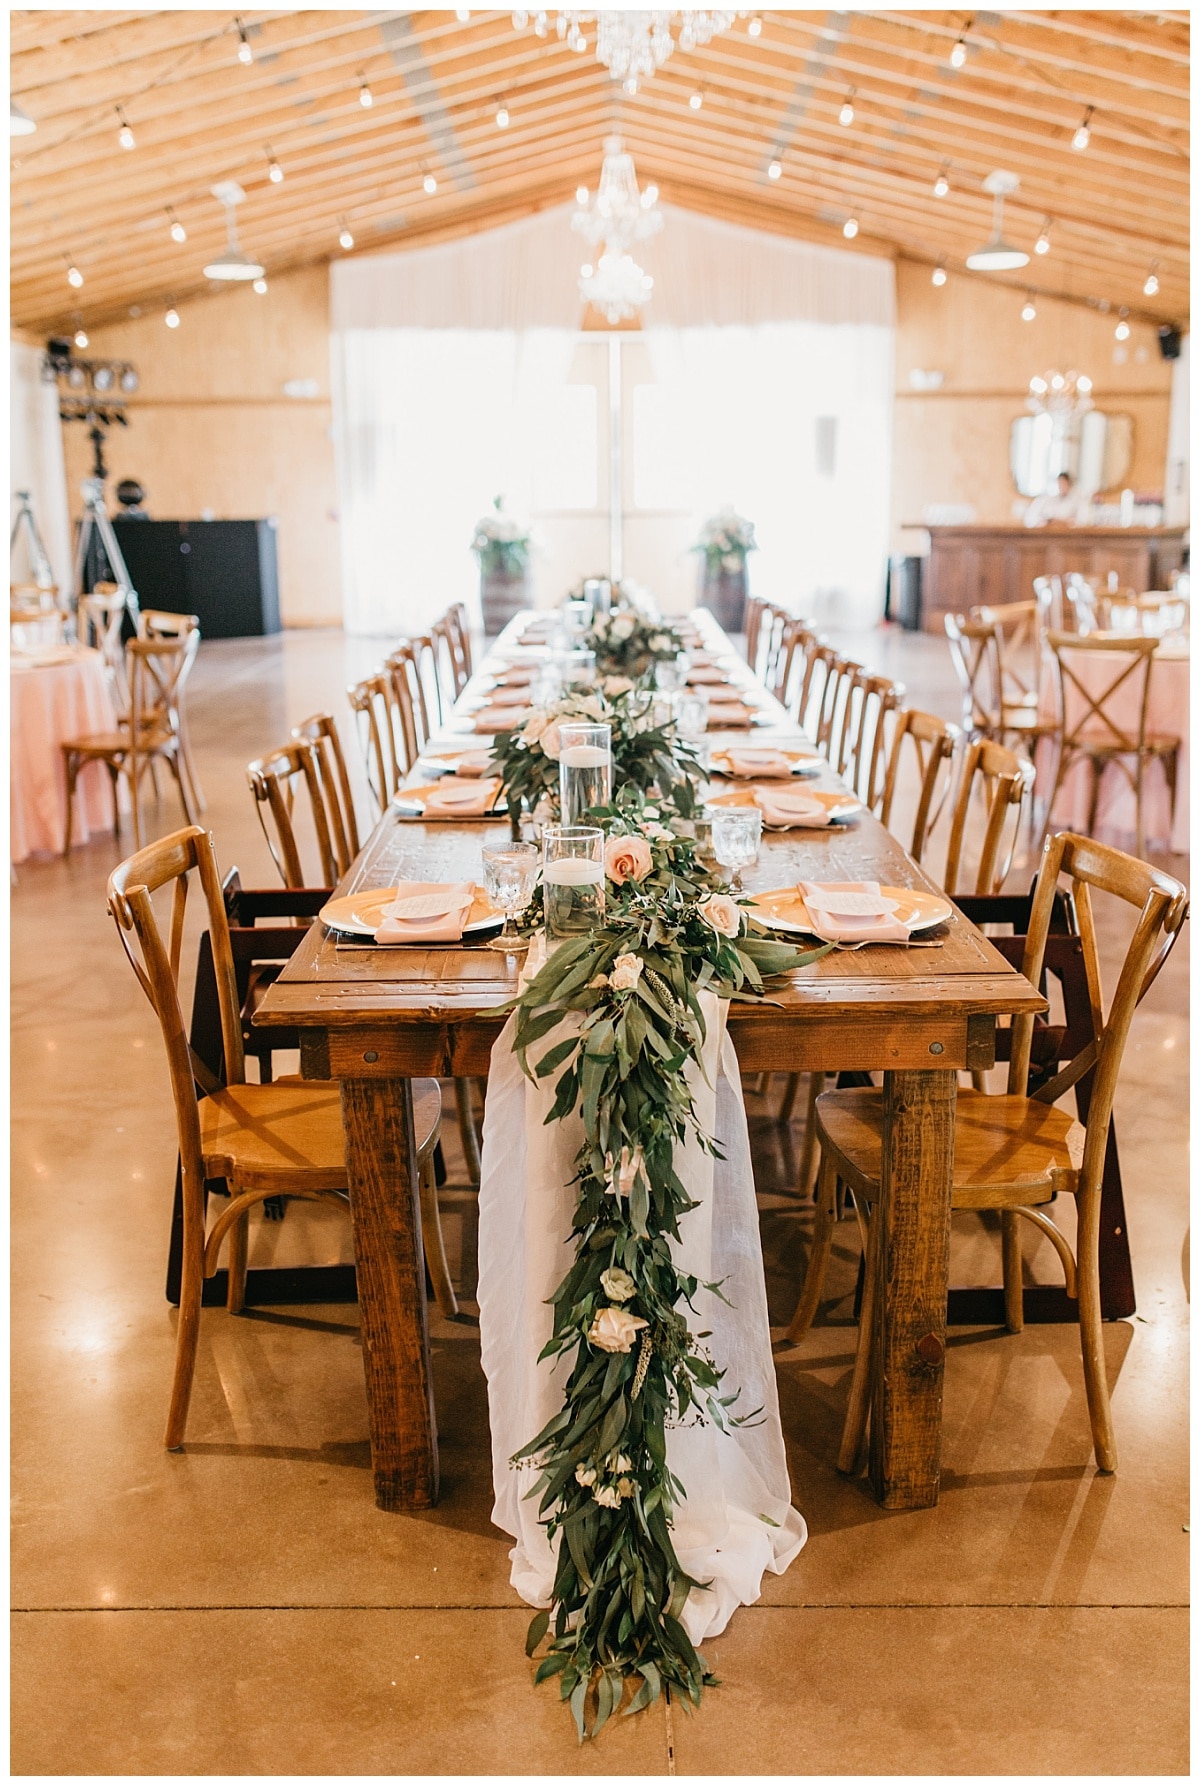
(968, 566)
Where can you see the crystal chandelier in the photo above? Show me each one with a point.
(631, 45)
(617, 215)
(1059, 394)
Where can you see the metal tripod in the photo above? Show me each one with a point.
(96, 537)
(39, 559)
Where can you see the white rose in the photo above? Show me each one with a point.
(627, 971)
(535, 725)
(660, 832)
(616, 685)
(622, 626)
(620, 1286)
(615, 1330)
(549, 740)
(660, 642)
(584, 1475)
(626, 858)
(607, 1497)
(723, 913)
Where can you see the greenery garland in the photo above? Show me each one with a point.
(630, 992)
(626, 643)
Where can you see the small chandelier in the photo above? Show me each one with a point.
(631, 45)
(617, 214)
(1059, 394)
(616, 285)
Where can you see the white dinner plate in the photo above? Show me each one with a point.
(360, 914)
(840, 807)
(783, 908)
(803, 763)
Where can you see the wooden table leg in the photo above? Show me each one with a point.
(381, 1163)
(913, 1267)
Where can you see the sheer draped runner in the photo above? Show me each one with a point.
(737, 1521)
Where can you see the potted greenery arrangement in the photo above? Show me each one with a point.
(725, 541)
(502, 547)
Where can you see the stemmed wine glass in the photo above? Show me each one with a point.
(510, 875)
(736, 831)
(672, 673)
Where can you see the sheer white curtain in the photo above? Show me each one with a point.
(431, 424)
(791, 423)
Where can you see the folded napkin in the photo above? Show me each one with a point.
(731, 715)
(852, 912)
(501, 719)
(426, 912)
(517, 676)
(750, 764)
(454, 799)
(705, 676)
(783, 807)
(474, 762)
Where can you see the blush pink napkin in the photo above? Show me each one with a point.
(447, 928)
(886, 928)
(750, 764)
(501, 719)
(473, 762)
(705, 675)
(518, 676)
(455, 799)
(783, 807)
(724, 716)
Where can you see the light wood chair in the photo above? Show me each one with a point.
(320, 730)
(798, 639)
(451, 668)
(159, 623)
(1092, 732)
(753, 627)
(384, 747)
(863, 746)
(101, 616)
(275, 781)
(283, 1139)
(932, 743)
(1015, 1153)
(408, 696)
(460, 620)
(149, 734)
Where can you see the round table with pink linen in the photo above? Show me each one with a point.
(55, 695)
(1166, 712)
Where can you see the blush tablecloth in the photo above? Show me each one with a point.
(1167, 712)
(50, 702)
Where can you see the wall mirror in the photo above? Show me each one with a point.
(1096, 448)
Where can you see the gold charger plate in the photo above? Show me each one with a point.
(804, 762)
(360, 914)
(840, 807)
(783, 908)
(410, 802)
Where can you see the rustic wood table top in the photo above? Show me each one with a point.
(374, 1018)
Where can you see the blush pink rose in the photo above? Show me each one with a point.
(626, 858)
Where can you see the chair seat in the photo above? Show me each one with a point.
(288, 1135)
(1007, 1150)
(1159, 744)
(110, 744)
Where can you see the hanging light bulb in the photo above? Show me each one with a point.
(631, 85)
(1083, 135)
(172, 317)
(125, 135)
(939, 275)
(502, 116)
(462, 14)
(274, 171)
(1042, 245)
(1151, 286)
(1028, 310)
(850, 228)
(774, 168)
(1122, 329)
(649, 196)
(846, 115)
(581, 195)
(178, 233)
(365, 96)
(81, 337)
(430, 184)
(245, 53)
(696, 101)
(958, 55)
(941, 185)
(74, 276)
(260, 286)
(345, 237)
(754, 28)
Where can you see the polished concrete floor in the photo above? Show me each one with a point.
(241, 1607)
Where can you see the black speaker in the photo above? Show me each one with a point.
(1168, 341)
(224, 571)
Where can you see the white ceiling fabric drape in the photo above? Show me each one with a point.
(446, 359)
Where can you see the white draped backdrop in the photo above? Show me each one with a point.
(769, 387)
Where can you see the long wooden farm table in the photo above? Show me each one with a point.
(374, 1019)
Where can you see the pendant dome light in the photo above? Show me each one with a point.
(231, 262)
(997, 255)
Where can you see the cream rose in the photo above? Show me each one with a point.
(626, 858)
(584, 1475)
(616, 685)
(620, 1286)
(607, 1496)
(723, 913)
(534, 726)
(624, 1175)
(622, 626)
(627, 971)
(615, 1330)
(549, 740)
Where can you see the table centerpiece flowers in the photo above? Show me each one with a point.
(726, 540)
(628, 642)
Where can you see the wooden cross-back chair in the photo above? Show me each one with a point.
(1005, 781)
(862, 750)
(101, 616)
(1016, 1152)
(160, 623)
(1093, 733)
(798, 638)
(149, 734)
(773, 624)
(320, 730)
(275, 781)
(261, 1140)
(384, 746)
(974, 653)
(753, 627)
(460, 620)
(412, 713)
(932, 743)
(451, 669)
(809, 704)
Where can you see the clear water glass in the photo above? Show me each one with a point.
(572, 878)
(691, 721)
(584, 768)
(510, 873)
(576, 620)
(736, 832)
(671, 674)
(565, 670)
(598, 590)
